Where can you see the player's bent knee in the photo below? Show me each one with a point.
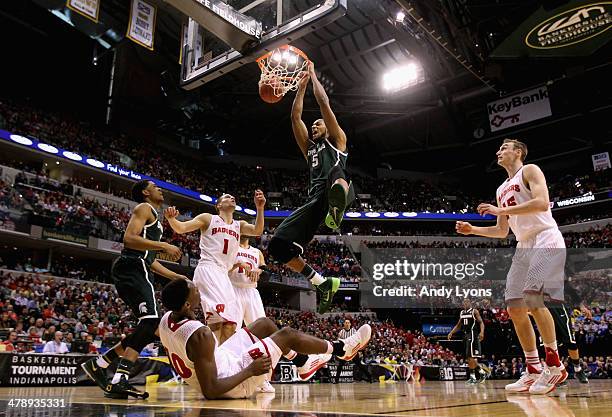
(282, 250)
(143, 334)
(263, 327)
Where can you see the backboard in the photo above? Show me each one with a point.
(264, 25)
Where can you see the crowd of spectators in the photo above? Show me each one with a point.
(136, 152)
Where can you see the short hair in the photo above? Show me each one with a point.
(518, 145)
(175, 294)
(137, 190)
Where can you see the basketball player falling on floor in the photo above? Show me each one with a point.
(133, 277)
(237, 367)
(537, 266)
(248, 267)
(329, 192)
(219, 242)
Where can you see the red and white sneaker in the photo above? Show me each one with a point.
(312, 365)
(524, 383)
(356, 342)
(548, 380)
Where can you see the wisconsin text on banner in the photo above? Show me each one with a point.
(141, 27)
(88, 8)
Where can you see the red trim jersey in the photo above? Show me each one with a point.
(513, 192)
(220, 242)
(249, 256)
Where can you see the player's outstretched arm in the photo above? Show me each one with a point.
(256, 229)
(297, 124)
(336, 134)
(201, 351)
(500, 230)
(132, 238)
(201, 221)
(159, 269)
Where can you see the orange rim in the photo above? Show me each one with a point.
(283, 47)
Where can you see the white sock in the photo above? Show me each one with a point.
(317, 279)
(577, 368)
(116, 378)
(101, 362)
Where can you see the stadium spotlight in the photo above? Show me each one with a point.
(400, 16)
(402, 77)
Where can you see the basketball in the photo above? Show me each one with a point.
(266, 92)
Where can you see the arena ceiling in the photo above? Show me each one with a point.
(439, 125)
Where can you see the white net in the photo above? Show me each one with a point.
(282, 69)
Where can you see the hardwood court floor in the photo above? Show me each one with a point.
(317, 400)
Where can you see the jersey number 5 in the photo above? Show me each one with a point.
(315, 160)
(510, 202)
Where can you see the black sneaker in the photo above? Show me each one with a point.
(328, 289)
(337, 204)
(123, 389)
(582, 377)
(95, 373)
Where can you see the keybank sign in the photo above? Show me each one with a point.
(571, 27)
(519, 108)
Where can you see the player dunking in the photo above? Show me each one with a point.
(537, 266)
(133, 277)
(219, 242)
(329, 192)
(472, 337)
(237, 367)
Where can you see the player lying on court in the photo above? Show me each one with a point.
(219, 242)
(238, 367)
(329, 191)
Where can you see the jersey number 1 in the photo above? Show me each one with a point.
(225, 246)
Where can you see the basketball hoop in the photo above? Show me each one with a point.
(281, 71)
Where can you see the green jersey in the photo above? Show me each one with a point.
(151, 231)
(322, 157)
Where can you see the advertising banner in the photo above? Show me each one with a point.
(575, 28)
(518, 109)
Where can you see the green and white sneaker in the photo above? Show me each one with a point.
(336, 199)
(328, 289)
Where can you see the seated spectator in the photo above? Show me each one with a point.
(9, 344)
(56, 345)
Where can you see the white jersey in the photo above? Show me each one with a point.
(174, 337)
(220, 242)
(248, 256)
(524, 226)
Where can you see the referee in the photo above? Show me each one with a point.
(347, 331)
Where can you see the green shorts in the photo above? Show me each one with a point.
(134, 282)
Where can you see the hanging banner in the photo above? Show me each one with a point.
(575, 28)
(601, 161)
(142, 23)
(518, 109)
(88, 8)
(184, 39)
